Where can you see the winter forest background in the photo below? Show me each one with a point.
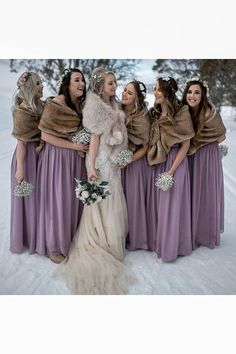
(219, 73)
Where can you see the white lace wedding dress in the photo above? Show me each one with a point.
(95, 262)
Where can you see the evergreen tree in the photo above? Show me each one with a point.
(219, 73)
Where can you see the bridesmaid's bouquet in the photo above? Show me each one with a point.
(23, 189)
(124, 158)
(223, 150)
(90, 192)
(82, 137)
(164, 181)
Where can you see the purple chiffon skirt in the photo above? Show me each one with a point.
(134, 181)
(169, 217)
(207, 192)
(23, 209)
(59, 211)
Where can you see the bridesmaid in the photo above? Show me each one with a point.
(169, 224)
(206, 171)
(59, 210)
(26, 114)
(134, 174)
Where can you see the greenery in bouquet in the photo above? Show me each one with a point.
(90, 192)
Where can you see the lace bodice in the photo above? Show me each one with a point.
(108, 171)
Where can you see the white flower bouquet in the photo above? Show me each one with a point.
(164, 181)
(90, 192)
(82, 137)
(23, 189)
(124, 158)
(223, 150)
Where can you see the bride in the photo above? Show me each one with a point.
(95, 262)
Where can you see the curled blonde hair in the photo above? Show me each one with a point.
(98, 79)
(27, 88)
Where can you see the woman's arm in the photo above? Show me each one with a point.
(63, 143)
(140, 153)
(20, 160)
(93, 150)
(182, 152)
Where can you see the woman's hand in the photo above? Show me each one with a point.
(81, 147)
(123, 166)
(181, 154)
(92, 174)
(20, 174)
(170, 172)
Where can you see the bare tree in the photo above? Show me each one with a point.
(50, 69)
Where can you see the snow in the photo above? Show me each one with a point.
(205, 271)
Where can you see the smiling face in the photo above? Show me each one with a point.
(109, 87)
(129, 96)
(194, 96)
(159, 95)
(77, 85)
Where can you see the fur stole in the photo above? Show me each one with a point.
(102, 119)
(59, 120)
(166, 132)
(212, 130)
(138, 127)
(25, 124)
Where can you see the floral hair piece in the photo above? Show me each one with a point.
(142, 87)
(23, 78)
(165, 78)
(97, 78)
(63, 75)
(203, 82)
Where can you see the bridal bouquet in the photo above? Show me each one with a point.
(23, 189)
(124, 158)
(223, 150)
(164, 181)
(90, 192)
(82, 137)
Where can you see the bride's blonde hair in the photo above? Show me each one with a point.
(98, 79)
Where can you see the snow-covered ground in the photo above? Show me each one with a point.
(205, 271)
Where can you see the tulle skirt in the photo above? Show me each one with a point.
(95, 263)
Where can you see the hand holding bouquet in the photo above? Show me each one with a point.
(23, 189)
(82, 137)
(223, 150)
(124, 158)
(90, 192)
(164, 181)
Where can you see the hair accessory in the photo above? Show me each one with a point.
(142, 87)
(97, 78)
(63, 75)
(165, 78)
(203, 82)
(168, 80)
(22, 79)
